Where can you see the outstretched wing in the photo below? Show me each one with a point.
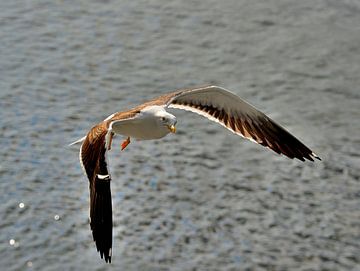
(229, 110)
(93, 161)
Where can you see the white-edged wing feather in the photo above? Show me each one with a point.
(226, 108)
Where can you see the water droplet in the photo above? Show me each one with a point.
(12, 242)
(56, 217)
(21, 205)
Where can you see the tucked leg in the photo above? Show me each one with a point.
(125, 143)
(109, 138)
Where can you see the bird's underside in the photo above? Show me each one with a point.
(212, 102)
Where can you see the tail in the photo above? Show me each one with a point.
(77, 141)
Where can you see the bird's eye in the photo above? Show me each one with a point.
(163, 118)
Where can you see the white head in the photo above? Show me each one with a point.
(161, 117)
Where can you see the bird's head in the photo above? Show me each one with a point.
(168, 120)
(163, 119)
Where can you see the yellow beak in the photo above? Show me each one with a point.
(172, 128)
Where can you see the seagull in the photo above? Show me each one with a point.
(150, 120)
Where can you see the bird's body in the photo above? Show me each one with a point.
(151, 121)
(146, 126)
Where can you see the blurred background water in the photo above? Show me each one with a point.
(202, 199)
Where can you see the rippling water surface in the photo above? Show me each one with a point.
(202, 199)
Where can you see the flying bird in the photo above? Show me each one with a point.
(150, 120)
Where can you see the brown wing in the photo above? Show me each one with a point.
(123, 115)
(165, 99)
(229, 110)
(93, 160)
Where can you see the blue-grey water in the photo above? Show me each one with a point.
(203, 199)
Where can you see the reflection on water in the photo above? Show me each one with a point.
(202, 199)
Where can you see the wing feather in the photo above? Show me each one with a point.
(93, 160)
(229, 110)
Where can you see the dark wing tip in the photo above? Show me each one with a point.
(316, 156)
(108, 259)
(270, 134)
(101, 216)
(106, 255)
